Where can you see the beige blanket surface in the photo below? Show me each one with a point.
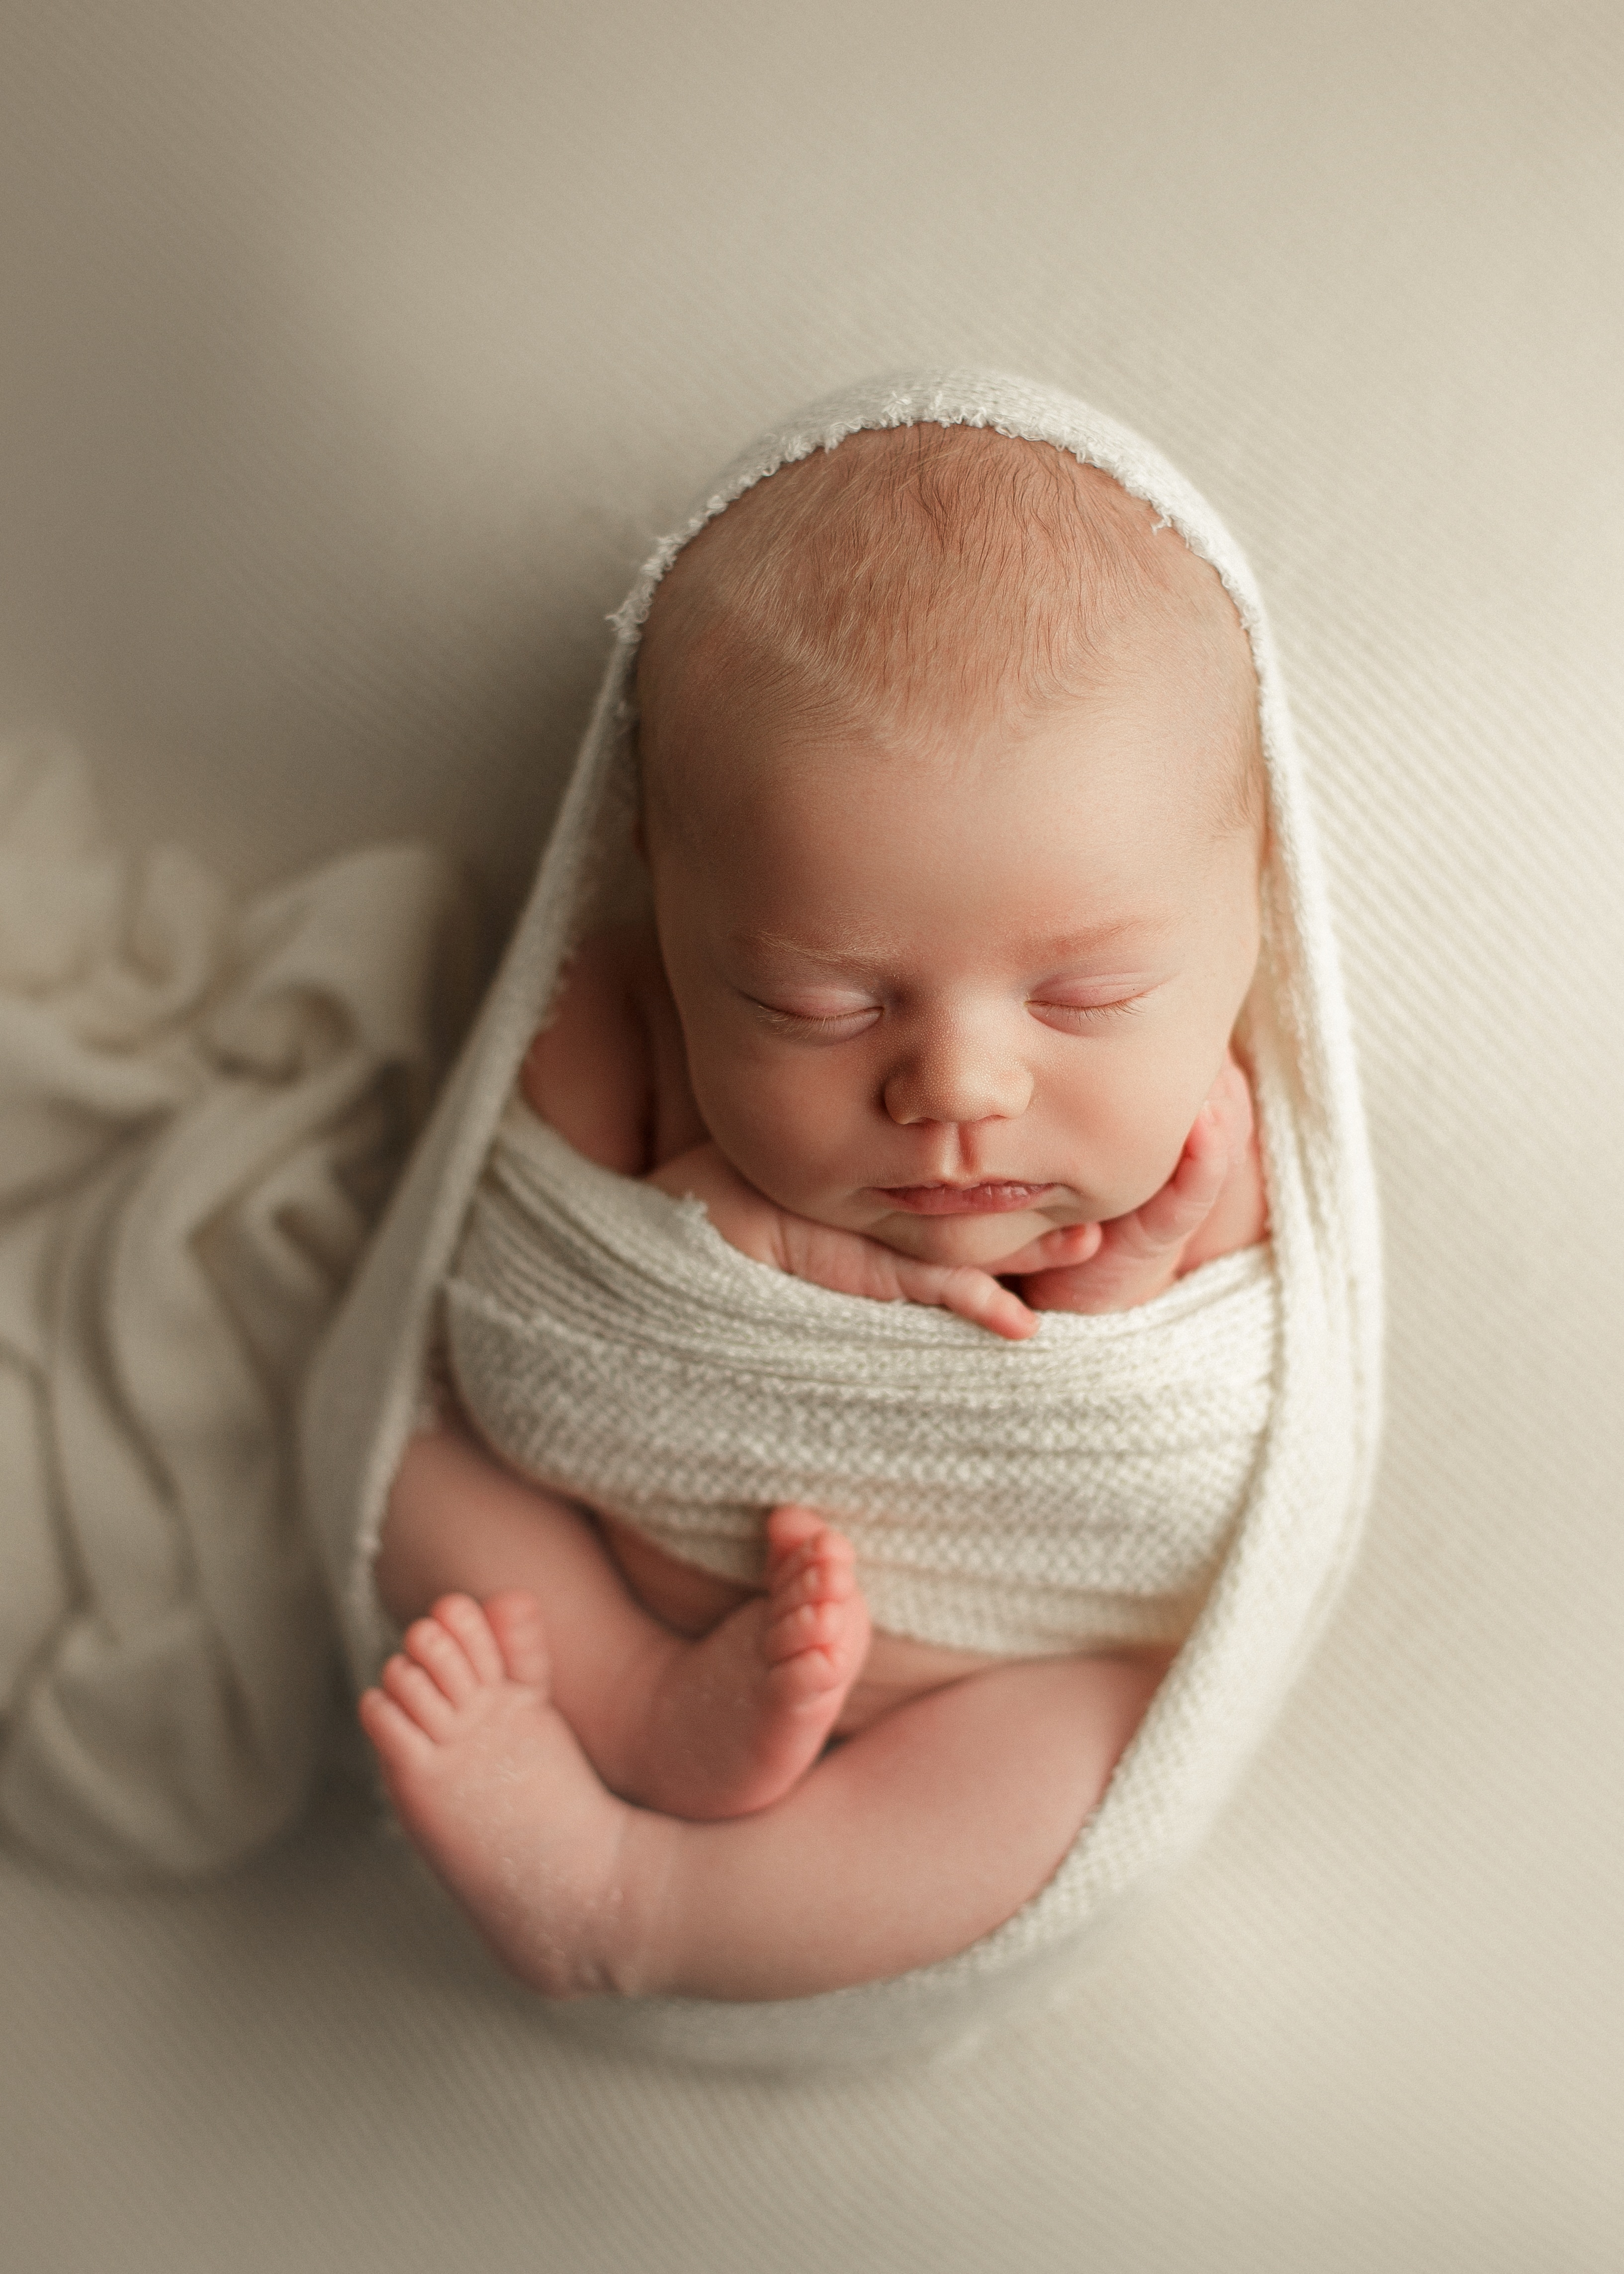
(201, 1106)
(352, 357)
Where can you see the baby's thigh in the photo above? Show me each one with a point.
(1020, 1754)
(457, 1521)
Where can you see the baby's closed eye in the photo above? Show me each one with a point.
(827, 1019)
(1082, 1003)
(1084, 1015)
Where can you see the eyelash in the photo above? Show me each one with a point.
(1130, 1009)
(791, 1022)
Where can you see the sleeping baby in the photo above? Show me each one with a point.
(952, 811)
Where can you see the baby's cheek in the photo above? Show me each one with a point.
(776, 1133)
(1130, 1140)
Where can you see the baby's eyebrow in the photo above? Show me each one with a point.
(860, 952)
(1143, 923)
(855, 950)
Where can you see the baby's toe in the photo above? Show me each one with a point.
(805, 1630)
(814, 1575)
(799, 1540)
(462, 1619)
(432, 1645)
(397, 1739)
(417, 1694)
(515, 1621)
(791, 1528)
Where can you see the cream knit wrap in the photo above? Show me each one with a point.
(1019, 1498)
(1277, 1561)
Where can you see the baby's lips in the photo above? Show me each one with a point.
(998, 1196)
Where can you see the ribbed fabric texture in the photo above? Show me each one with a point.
(1069, 1492)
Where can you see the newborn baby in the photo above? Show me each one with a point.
(952, 811)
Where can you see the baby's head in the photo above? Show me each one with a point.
(953, 803)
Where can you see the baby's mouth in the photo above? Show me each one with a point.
(962, 1200)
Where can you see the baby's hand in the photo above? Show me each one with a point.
(848, 1264)
(1211, 1205)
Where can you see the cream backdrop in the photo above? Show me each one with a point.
(349, 354)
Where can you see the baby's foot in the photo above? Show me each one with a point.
(489, 1783)
(743, 1714)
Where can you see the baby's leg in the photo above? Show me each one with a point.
(900, 1847)
(702, 1729)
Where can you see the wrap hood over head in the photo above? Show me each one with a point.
(1291, 1542)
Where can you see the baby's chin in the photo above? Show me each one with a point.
(983, 1240)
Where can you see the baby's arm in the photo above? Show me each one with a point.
(608, 1071)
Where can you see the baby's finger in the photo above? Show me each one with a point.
(1232, 1094)
(1185, 1200)
(1072, 1244)
(1067, 1290)
(1056, 1251)
(969, 1294)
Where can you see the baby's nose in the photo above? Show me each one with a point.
(954, 1078)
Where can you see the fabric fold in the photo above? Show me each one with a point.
(200, 1111)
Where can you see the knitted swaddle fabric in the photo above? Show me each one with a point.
(1062, 1494)
(1277, 1559)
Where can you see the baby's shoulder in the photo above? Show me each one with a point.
(590, 1070)
(610, 975)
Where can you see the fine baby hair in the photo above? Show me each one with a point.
(928, 554)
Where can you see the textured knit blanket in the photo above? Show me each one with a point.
(1070, 1491)
(1280, 1557)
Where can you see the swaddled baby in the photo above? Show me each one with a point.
(952, 812)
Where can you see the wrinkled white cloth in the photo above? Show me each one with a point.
(1291, 1541)
(1063, 1494)
(202, 1105)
